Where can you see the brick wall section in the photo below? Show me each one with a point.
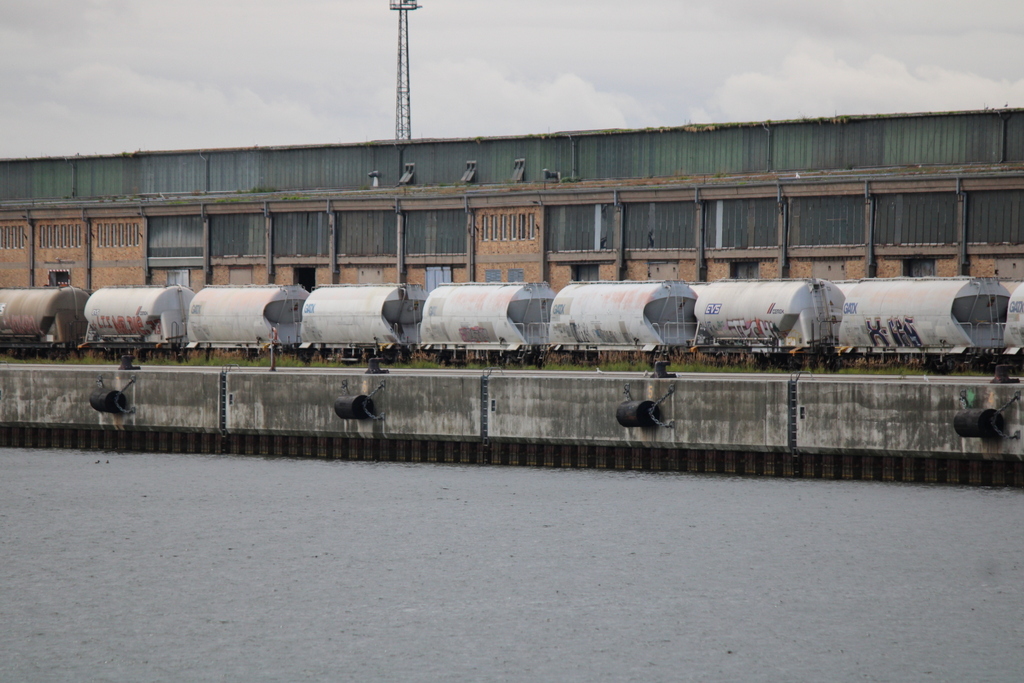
(983, 267)
(946, 267)
(222, 274)
(14, 262)
(717, 270)
(512, 217)
(512, 248)
(112, 277)
(636, 270)
(349, 275)
(531, 270)
(560, 274)
(51, 257)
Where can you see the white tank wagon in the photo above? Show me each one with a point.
(246, 316)
(151, 316)
(480, 316)
(924, 315)
(621, 316)
(362, 316)
(33, 316)
(769, 315)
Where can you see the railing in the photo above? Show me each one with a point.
(533, 333)
(676, 332)
(985, 335)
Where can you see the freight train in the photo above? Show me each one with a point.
(940, 321)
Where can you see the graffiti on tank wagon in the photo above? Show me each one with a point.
(753, 329)
(127, 324)
(477, 335)
(896, 331)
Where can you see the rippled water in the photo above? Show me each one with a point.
(206, 568)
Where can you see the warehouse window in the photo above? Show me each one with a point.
(586, 272)
(437, 275)
(60, 236)
(660, 225)
(742, 223)
(59, 278)
(585, 227)
(744, 270)
(919, 267)
(516, 275)
(492, 275)
(118, 235)
(177, 277)
(13, 237)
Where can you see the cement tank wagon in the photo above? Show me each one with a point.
(613, 316)
(138, 317)
(42, 316)
(362, 316)
(246, 316)
(479, 316)
(769, 315)
(924, 315)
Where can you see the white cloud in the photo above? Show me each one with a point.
(104, 76)
(468, 98)
(812, 82)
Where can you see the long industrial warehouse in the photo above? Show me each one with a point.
(840, 198)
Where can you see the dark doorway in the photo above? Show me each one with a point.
(305, 278)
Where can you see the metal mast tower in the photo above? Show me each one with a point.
(403, 110)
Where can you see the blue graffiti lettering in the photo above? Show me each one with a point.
(877, 333)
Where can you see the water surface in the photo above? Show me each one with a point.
(157, 567)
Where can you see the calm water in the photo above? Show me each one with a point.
(207, 568)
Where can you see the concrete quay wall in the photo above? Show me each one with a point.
(765, 424)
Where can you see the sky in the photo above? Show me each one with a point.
(112, 76)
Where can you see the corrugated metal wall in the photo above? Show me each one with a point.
(742, 223)
(660, 225)
(366, 233)
(435, 232)
(842, 143)
(238, 234)
(175, 236)
(926, 218)
(301, 233)
(586, 227)
(820, 221)
(995, 217)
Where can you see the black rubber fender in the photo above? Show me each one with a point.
(106, 401)
(981, 423)
(353, 407)
(637, 414)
